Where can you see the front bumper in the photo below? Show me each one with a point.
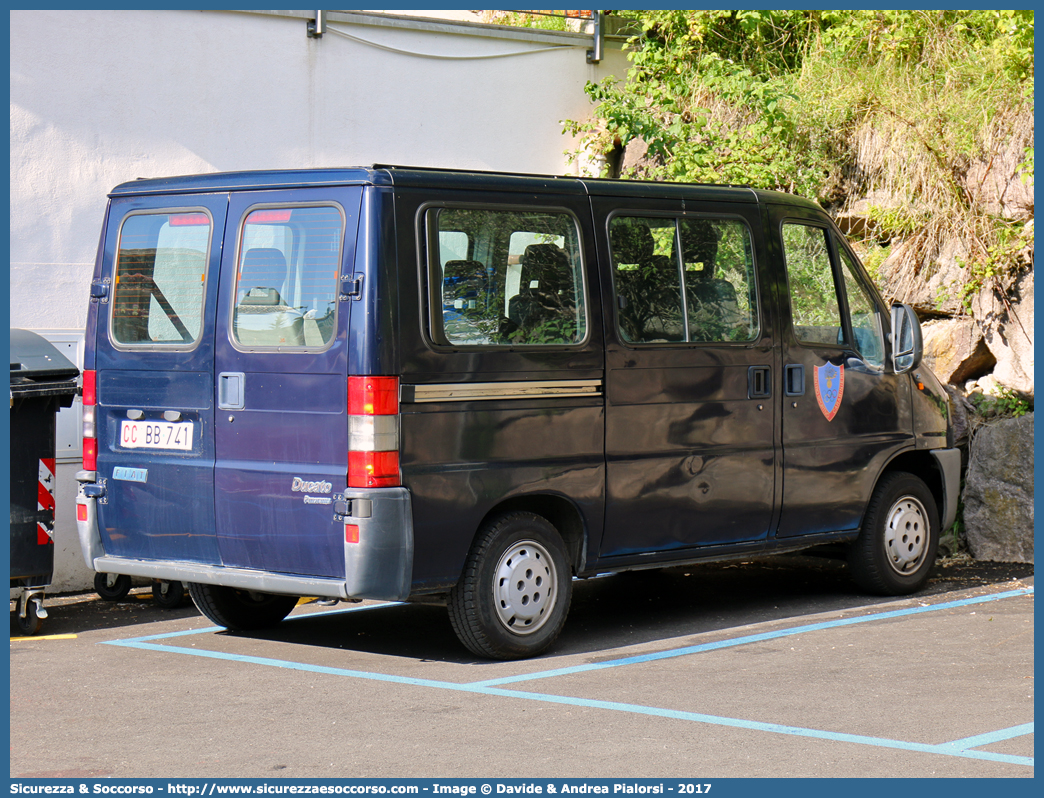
(949, 461)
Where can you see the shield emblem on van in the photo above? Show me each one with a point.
(830, 385)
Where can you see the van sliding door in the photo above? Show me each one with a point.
(690, 376)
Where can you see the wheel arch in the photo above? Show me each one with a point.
(923, 465)
(561, 512)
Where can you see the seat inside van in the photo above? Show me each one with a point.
(647, 284)
(714, 313)
(546, 301)
(262, 318)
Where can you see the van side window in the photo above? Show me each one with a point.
(866, 318)
(286, 277)
(159, 278)
(504, 278)
(814, 306)
(683, 280)
(719, 279)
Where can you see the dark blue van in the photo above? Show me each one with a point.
(427, 385)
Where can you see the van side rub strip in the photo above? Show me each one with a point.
(477, 391)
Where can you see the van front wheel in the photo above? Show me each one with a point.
(896, 547)
(240, 610)
(512, 600)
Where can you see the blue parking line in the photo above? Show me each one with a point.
(991, 737)
(739, 641)
(947, 749)
(963, 748)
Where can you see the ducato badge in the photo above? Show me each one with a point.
(302, 486)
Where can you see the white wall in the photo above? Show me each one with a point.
(102, 97)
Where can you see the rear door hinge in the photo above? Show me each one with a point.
(351, 287)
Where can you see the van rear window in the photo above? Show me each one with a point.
(287, 277)
(505, 278)
(160, 274)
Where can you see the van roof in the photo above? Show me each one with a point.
(245, 181)
(422, 177)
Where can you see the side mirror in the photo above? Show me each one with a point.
(907, 345)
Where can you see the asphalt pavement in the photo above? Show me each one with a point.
(773, 668)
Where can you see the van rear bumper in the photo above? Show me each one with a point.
(239, 578)
(378, 565)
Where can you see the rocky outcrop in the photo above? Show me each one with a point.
(974, 297)
(935, 288)
(1006, 322)
(955, 350)
(998, 181)
(998, 491)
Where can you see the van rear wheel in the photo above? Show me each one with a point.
(512, 600)
(240, 610)
(896, 547)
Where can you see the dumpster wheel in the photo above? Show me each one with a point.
(30, 624)
(168, 595)
(112, 587)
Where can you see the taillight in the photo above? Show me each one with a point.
(90, 428)
(373, 432)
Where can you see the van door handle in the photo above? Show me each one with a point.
(759, 386)
(230, 390)
(794, 379)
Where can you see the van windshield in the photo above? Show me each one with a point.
(160, 274)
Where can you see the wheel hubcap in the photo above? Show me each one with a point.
(524, 587)
(906, 535)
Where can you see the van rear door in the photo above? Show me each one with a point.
(281, 428)
(154, 364)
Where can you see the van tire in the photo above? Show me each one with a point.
(501, 607)
(240, 610)
(895, 550)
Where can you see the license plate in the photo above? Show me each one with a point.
(156, 435)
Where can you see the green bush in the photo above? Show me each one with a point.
(830, 104)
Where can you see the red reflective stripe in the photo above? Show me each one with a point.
(351, 533)
(44, 497)
(81, 512)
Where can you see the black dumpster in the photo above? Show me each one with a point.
(42, 381)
